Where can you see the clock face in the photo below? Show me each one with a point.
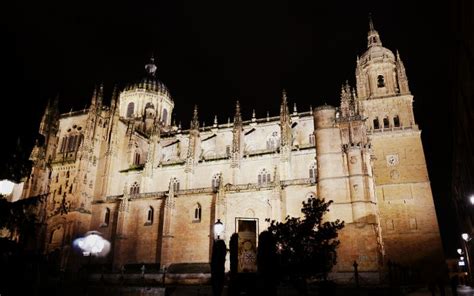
(392, 160)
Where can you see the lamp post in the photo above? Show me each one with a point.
(471, 199)
(92, 244)
(466, 238)
(218, 229)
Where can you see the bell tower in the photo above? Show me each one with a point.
(402, 186)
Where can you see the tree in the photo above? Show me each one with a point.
(307, 246)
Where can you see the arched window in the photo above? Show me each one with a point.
(130, 109)
(197, 212)
(136, 159)
(71, 143)
(107, 217)
(376, 123)
(60, 190)
(57, 235)
(396, 121)
(386, 123)
(311, 140)
(150, 214)
(63, 145)
(273, 141)
(164, 117)
(380, 81)
(135, 189)
(175, 184)
(70, 189)
(216, 181)
(264, 177)
(312, 173)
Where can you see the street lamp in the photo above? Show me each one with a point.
(459, 251)
(471, 199)
(218, 228)
(465, 237)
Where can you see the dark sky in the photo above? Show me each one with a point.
(212, 52)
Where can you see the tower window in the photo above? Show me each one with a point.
(380, 81)
(263, 178)
(63, 144)
(136, 159)
(130, 109)
(376, 123)
(175, 184)
(135, 189)
(107, 217)
(150, 214)
(216, 182)
(311, 139)
(197, 213)
(396, 121)
(164, 116)
(386, 123)
(312, 173)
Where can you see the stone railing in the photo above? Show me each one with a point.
(253, 153)
(207, 190)
(113, 197)
(215, 157)
(157, 194)
(172, 162)
(305, 181)
(249, 186)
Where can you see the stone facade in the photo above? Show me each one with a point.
(155, 190)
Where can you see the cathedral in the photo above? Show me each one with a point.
(155, 190)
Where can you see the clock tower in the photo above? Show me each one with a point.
(407, 215)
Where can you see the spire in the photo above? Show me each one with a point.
(195, 121)
(284, 112)
(254, 118)
(115, 95)
(373, 37)
(94, 97)
(285, 122)
(151, 67)
(100, 94)
(215, 121)
(371, 23)
(237, 116)
(402, 76)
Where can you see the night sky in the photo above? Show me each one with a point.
(211, 53)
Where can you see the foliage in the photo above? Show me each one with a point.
(307, 246)
(20, 216)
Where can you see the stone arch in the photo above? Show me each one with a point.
(197, 213)
(150, 215)
(264, 177)
(130, 109)
(164, 116)
(249, 213)
(57, 235)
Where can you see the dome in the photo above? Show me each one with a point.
(377, 53)
(150, 83)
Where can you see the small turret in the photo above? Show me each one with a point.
(402, 76)
(373, 36)
(195, 122)
(285, 122)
